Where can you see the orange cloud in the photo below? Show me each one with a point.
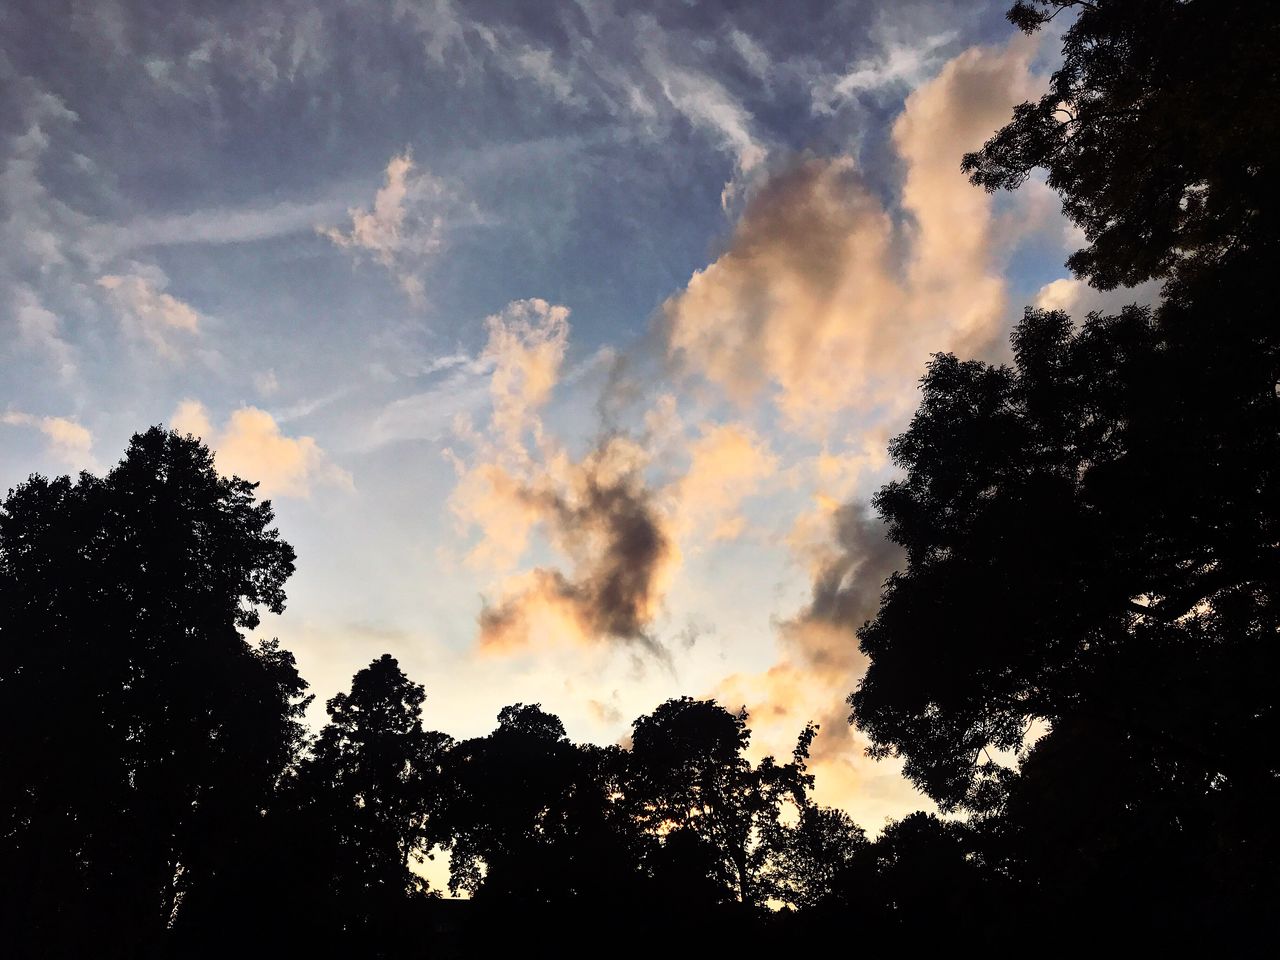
(828, 303)
(405, 226)
(727, 464)
(597, 512)
(68, 440)
(252, 446)
(603, 519)
(819, 663)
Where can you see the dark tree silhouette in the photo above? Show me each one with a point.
(1159, 131)
(692, 785)
(143, 732)
(1092, 534)
(1089, 533)
(813, 853)
(531, 819)
(361, 800)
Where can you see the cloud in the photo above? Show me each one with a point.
(524, 354)
(215, 225)
(526, 348)
(819, 661)
(251, 445)
(41, 330)
(69, 442)
(146, 312)
(795, 301)
(707, 105)
(620, 550)
(829, 301)
(951, 273)
(1077, 299)
(896, 65)
(825, 300)
(404, 228)
(727, 464)
(596, 512)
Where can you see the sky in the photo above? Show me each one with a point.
(566, 338)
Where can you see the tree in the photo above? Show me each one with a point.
(1159, 131)
(151, 731)
(692, 786)
(813, 853)
(1090, 532)
(531, 819)
(361, 803)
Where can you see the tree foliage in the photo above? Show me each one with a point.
(153, 731)
(1092, 534)
(1158, 131)
(692, 785)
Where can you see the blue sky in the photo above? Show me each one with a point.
(565, 337)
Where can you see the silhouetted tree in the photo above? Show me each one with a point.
(529, 817)
(1159, 131)
(143, 731)
(812, 854)
(919, 882)
(1091, 534)
(361, 801)
(693, 787)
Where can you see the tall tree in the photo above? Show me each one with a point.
(1093, 534)
(360, 803)
(151, 730)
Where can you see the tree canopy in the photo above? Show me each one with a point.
(1080, 649)
(1158, 131)
(154, 728)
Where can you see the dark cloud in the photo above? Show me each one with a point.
(846, 591)
(607, 522)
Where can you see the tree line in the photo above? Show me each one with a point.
(1091, 588)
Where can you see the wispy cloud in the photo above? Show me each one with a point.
(404, 227)
(899, 65)
(41, 330)
(216, 225)
(148, 313)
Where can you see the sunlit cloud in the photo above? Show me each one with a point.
(596, 512)
(251, 445)
(823, 300)
(819, 662)
(728, 463)
(403, 229)
(69, 442)
(147, 313)
(1078, 299)
(827, 303)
